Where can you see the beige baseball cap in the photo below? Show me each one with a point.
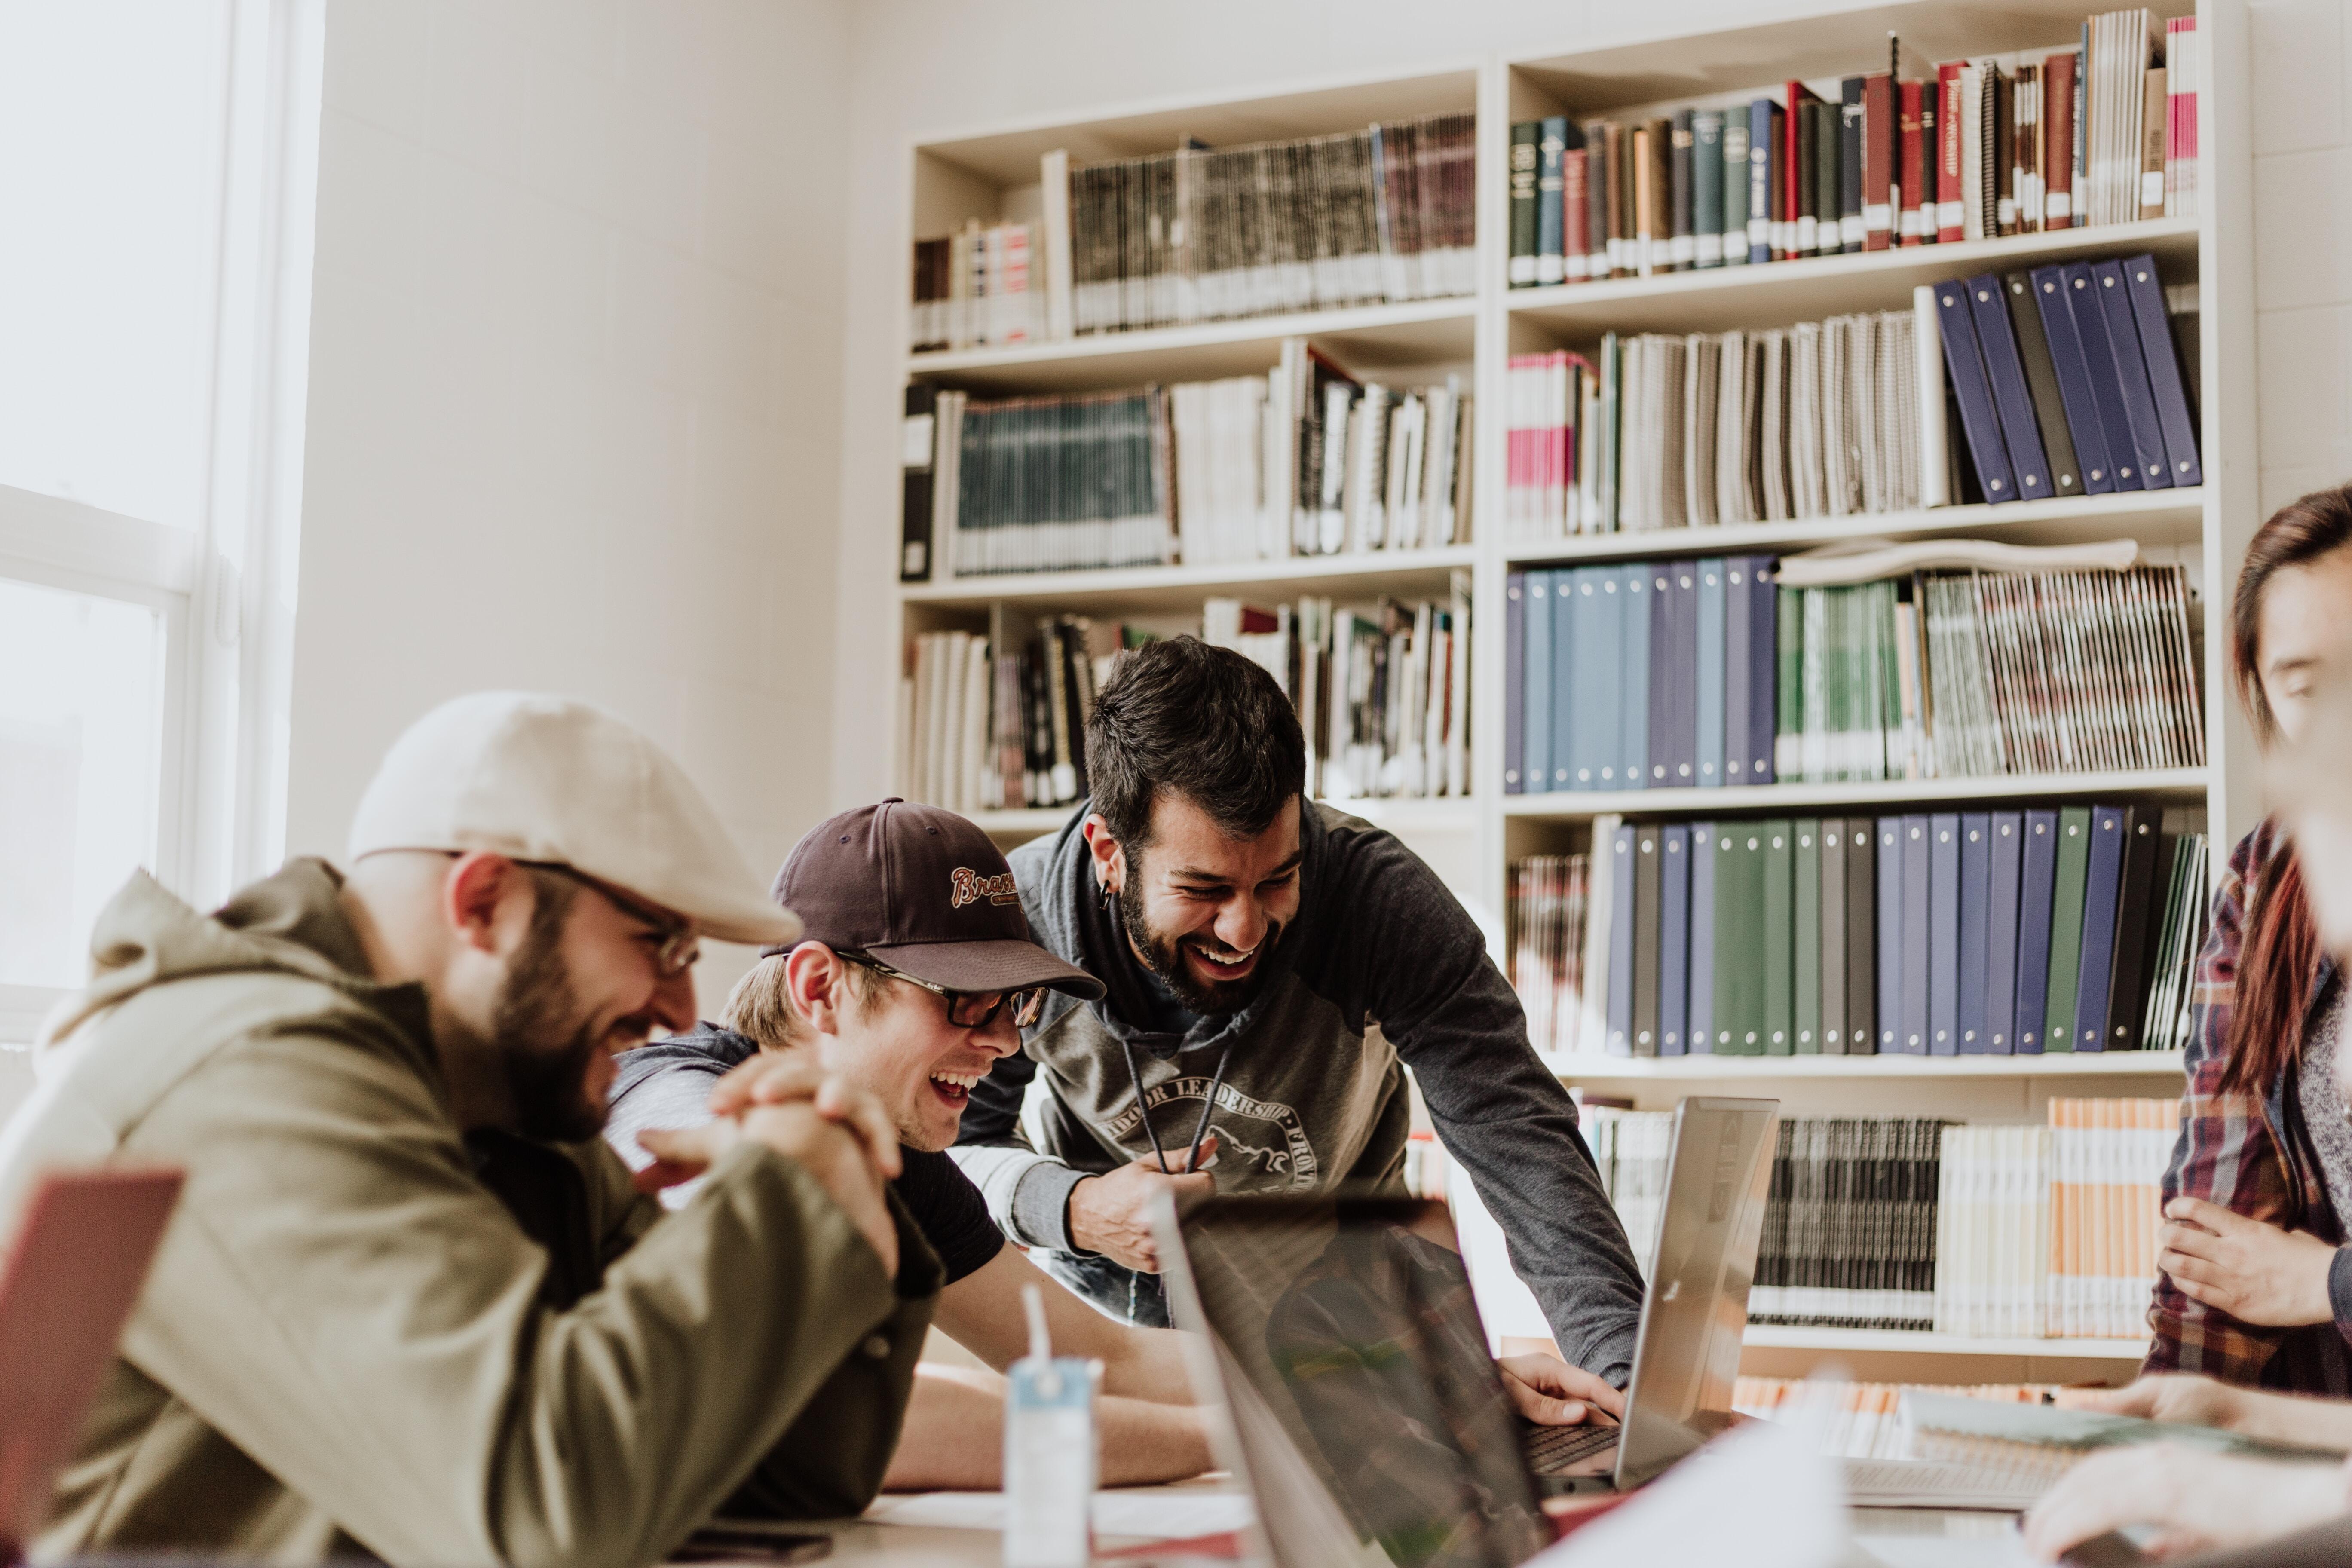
(556, 780)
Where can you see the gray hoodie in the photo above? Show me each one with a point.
(1381, 970)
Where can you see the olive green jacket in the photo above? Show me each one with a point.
(365, 1331)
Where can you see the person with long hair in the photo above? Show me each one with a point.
(2256, 1285)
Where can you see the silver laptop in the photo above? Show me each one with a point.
(1364, 1410)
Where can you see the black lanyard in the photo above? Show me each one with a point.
(1199, 1132)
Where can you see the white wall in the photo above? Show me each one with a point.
(928, 66)
(576, 354)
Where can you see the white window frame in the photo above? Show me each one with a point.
(225, 588)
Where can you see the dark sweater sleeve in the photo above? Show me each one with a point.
(1402, 951)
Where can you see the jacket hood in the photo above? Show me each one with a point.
(291, 922)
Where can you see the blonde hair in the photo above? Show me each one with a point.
(760, 1007)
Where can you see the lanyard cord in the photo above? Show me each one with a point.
(1200, 1130)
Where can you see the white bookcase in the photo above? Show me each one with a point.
(1471, 841)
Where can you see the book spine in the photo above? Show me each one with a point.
(1683, 246)
(1950, 207)
(1524, 153)
(1853, 225)
(1763, 217)
(1551, 145)
(1576, 216)
(1910, 166)
(1709, 218)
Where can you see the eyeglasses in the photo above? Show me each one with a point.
(966, 1009)
(681, 946)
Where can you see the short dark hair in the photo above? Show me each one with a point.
(1204, 722)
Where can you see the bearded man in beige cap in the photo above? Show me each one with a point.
(411, 1306)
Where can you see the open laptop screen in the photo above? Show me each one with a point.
(1350, 1325)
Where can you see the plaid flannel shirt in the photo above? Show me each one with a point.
(2251, 1154)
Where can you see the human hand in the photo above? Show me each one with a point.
(774, 1078)
(1112, 1213)
(2195, 1501)
(2253, 1271)
(1550, 1393)
(2166, 1396)
(838, 1160)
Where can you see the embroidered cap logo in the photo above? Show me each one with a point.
(970, 886)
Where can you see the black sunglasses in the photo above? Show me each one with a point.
(966, 1009)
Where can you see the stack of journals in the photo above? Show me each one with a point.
(994, 724)
(2100, 133)
(1547, 918)
(2052, 1229)
(2001, 932)
(1868, 1423)
(976, 289)
(1304, 461)
(1699, 673)
(1822, 419)
(1850, 1230)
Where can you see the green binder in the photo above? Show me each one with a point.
(2066, 928)
(1807, 989)
(1776, 945)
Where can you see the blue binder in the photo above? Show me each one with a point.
(1673, 939)
(1659, 768)
(1569, 683)
(2052, 297)
(1965, 362)
(2099, 360)
(1763, 146)
(1600, 691)
(1515, 680)
(2131, 374)
(1535, 715)
(1682, 644)
(1943, 934)
(2012, 400)
(1737, 647)
(2163, 363)
(1976, 865)
(2000, 943)
(2037, 883)
(1918, 938)
(1763, 664)
(1699, 1018)
(1711, 623)
(1634, 672)
(1622, 916)
(1890, 935)
(2100, 884)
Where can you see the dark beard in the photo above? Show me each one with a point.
(1160, 956)
(546, 1072)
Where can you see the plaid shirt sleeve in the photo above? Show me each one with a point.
(2225, 1154)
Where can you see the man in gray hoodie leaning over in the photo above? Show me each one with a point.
(1273, 966)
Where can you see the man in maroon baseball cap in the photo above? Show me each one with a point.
(914, 975)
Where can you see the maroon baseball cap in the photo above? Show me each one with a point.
(925, 891)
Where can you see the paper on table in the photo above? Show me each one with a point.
(1156, 1514)
(1762, 1497)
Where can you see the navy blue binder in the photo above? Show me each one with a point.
(2037, 881)
(2053, 299)
(1515, 680)
(2000, 944)
(2163, 363)
(2012, 400)
(1710, 656)
(2131, 374)
(1890, 935)
(1599, 635)
(1673, 939)
(2102, 884)
(1658, 770)
(1976, 865)
(1699, 1027)
(1918, 934)
(1634, 672)
(1978, 421)
(1737, 646)
(1535, 715)
(1620, 943)
(2099, 363)
(1763, 152)
(1571, 680)
(1763, 664)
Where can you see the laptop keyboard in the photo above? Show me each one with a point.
(1551, 1449)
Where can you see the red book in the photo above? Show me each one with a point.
(1910, 164)
(1948, 156)
(2058, 140)
(1576, 214)
(1799, 178)
(1878, 184)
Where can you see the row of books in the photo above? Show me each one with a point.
(1850, 1227)
(2052, 1229)
(974, 288)
(1629, 1150)
(1864, 1419)
(1698, 674)
(1820, 419)
(987, 723)
(1945, 933)
(2102, 133)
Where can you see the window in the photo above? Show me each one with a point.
(157, 176)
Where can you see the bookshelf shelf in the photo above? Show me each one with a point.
(1581, 1069)
(1917, 1342)
(1575, 808)
(1783, 291)
(2152, 517)
(1364, 337)
(1399, 571)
